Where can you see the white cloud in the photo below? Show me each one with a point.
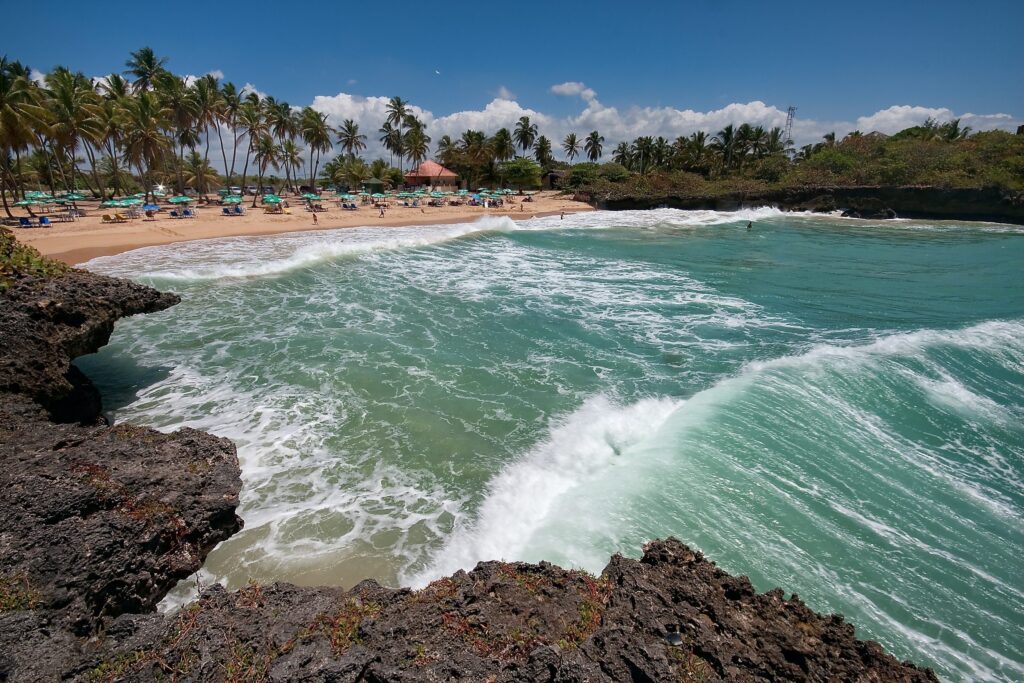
(248, 88)
(37, 76)
(572, 89)
(192, 78)
(352, 81)
(626, 124)
(505, 94)
(896, 118)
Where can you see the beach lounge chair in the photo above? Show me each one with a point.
(24, 222)
(174, 213)
(120, 217)
(239, 211)
(226, 211)
(44, 222)
(108, 219)
(188, 213)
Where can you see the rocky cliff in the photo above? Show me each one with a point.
(100, 522)
(973, 204)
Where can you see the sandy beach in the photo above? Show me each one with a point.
(88, 237)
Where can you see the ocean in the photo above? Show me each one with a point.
(830, 405)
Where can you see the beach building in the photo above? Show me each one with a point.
(432, 175)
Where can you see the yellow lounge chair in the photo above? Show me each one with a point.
(120, 218)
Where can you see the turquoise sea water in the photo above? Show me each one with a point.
(833, 406)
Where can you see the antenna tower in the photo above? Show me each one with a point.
(787, 135)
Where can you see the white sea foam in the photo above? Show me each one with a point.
(580, 449)
(242, 257)
(599, 436)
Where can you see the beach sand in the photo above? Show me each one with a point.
(89, 237)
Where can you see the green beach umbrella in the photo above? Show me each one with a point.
(232, 199)
(272, 199)
(180, 199)
(27, 202)
(378, 195)
(73, 196)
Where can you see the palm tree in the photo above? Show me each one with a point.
(145, 66)
(317, 136)
(206, 95)
(15, 128)
(724, 143)
(502, 144)
(953, 131)
(281, 124)
(179, 100)
(73, 114)
(661, 153)
(542, 152)
(110, 118)
(251, 123)
(623, 155)
(145, 145)
(525, 134)
(266, 154)
(291, 159)
(227, 115)
(349, 138)
(417, 142)
(398, 110)
(198, 172)
(447, 151)
(391, 138)
(355, 172)
(114, 87)
(643, 152)
(594, 146)
(571, 146)
(775, 145)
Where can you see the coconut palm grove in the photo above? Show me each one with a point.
(145, 126)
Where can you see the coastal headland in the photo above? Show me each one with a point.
(101, 522)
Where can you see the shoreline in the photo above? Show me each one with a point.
(88, 238)
(81, 255)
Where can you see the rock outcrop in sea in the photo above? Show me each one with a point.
(101, 521)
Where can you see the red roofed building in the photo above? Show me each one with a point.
(432, 174)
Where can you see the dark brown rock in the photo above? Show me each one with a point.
(505, 622)
(47, 322)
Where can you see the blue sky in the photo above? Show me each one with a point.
(636, 63)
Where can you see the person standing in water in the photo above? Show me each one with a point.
(750, 225)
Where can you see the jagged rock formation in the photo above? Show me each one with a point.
(100, 522)
(507, 622)
(97, 520)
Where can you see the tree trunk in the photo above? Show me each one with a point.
(3, 196)
(245, 170)
(95, 174)
(113, 161)
(206, 163)
(19, 186)
(181, 165)
(223, 153)
(234, 152)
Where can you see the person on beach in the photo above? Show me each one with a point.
(381, 211)
(314, 218)
(562, 217)
(750, 225)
